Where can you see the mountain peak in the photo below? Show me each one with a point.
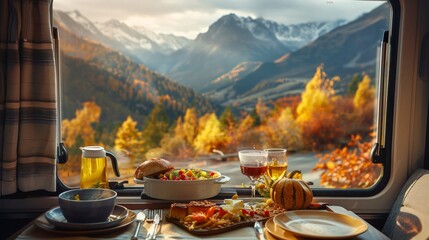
(229, 19)
(75, 13)
(78, 17)
(115, 23)
(231, 16)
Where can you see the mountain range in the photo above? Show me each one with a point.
(237, 60)
(345, 51)
(232, 40)
(137, 42)
(195, 63)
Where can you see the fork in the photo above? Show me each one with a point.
(151, 233)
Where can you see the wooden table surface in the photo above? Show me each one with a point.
(170, 231)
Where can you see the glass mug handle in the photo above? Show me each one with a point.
(114, 163)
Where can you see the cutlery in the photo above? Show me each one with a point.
(141, 216)
(151, 234)
(259, 230)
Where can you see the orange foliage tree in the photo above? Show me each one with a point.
(349, 167)
(81, 125)
(78, 132)
(282, 131)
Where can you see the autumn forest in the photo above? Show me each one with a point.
(318, 119)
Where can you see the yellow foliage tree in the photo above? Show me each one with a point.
(129, 139)
(244, 126)
(211, 136)
(189, 128)
(365, 94)
(363, 104)
(80, 126)
(316, 113)
(180, 142)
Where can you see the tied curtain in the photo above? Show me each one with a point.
(27, 97)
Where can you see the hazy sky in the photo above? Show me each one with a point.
(190, 17)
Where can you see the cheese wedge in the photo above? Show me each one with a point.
(234, 203)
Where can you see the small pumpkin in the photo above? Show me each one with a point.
(291, 194)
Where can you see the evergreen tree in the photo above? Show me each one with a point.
(155, 128)
(353, 85)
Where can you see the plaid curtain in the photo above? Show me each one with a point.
(27, 97)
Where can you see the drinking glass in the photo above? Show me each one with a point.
(277, 162)
(253, 163)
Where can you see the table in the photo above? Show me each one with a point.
(170, 231)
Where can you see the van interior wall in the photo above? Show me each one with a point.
(424, 67)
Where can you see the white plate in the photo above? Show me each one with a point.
(56, 218)
(42, 223)
(320, 224)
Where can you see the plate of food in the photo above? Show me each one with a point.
(206, 218)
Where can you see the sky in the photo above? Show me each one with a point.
(190, 17)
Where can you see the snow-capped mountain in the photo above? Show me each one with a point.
(168, 42)
(196, 63)
(232, 40)
(343, 52)
(137, 42)
(79, 24)
(296, 36)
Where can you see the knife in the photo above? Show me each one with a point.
(259, 231)
(141, 216)
(151, 233)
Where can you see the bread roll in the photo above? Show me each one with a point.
(152, 167)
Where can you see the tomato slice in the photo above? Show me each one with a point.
(222, 212)
(211, 211)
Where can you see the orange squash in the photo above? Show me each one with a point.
(291, 194)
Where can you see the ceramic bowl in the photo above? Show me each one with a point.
(183, 190)
(90, 205)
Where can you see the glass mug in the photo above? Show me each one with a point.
(93, 171)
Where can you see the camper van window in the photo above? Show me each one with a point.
(194, 82)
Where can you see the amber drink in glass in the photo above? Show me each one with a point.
(277, 162)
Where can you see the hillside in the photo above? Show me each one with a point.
(92, 72)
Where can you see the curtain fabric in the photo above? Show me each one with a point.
(27, 97)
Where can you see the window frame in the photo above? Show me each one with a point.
(387, 156)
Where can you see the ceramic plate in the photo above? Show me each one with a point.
(320, 224)
(277, 231)
(42, 223)
(56, 218)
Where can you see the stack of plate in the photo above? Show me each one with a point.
(315, 224)
(55, 221)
